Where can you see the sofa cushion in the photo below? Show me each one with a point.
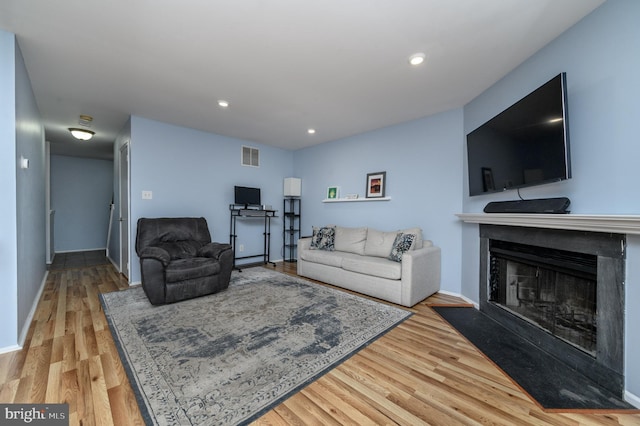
(402, 244)
(379, 243)
(350, 240)
(323, 238)
(375, 266)
(322, 257)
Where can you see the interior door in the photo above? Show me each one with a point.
(124, 210)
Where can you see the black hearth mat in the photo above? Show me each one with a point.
(553, 384)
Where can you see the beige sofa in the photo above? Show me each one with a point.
(358, 259)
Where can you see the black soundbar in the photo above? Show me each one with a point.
(541, 205)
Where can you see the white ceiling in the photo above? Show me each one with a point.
(339, 66)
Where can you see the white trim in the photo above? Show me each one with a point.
(115, 265)
(353, 200)
(632, 399)
(80, 250)
(8, 349)
(466, 299)
(32, 312)
(621, 224)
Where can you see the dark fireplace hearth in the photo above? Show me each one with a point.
(562, 290)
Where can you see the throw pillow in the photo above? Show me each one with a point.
(417, 242)
(401, 245)
(323, 238)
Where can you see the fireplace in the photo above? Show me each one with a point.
(563, 290)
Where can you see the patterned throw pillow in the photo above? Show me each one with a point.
(323, 238)
(401, 245)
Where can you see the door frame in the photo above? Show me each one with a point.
(124, 207)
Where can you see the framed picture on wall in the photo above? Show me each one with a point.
(333, 192)
(487, 179)
(375, 184)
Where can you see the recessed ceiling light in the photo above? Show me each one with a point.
(417, 58)
(311, 131)
(223, 104)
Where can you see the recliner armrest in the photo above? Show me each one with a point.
(156, 253)
(213, 250)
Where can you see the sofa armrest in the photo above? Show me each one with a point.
(303, 244)
(420, 274)
(213, 250)
(155, 253)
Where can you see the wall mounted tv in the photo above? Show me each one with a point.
(527, 144)
(247, 196)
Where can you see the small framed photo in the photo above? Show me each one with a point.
(487, 179)
(375, 184)
(333, 192)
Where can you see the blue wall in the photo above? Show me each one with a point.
(424, 177)
(30, 200)
(601, 59)
(22, 215)
(8, 219)
(81, 191)
(192, 173)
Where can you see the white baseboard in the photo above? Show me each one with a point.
(114, 264)
(76, 251)
(466, 299)
(25, 329)
(632, 399)
(8, 349)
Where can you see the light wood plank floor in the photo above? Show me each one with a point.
(421, 372)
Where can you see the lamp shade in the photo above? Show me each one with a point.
(292, 187)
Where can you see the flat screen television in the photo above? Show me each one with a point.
(527, 144)
(246, 196)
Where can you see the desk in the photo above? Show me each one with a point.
(239, 211)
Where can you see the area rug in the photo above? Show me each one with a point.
(229, 357)
(552, 383)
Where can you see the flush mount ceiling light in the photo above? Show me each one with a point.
(416, 58)
(311, 131)
(82, 134)
(223, 104)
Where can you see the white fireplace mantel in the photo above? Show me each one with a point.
(621, 224)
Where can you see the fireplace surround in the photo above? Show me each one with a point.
(561, 289)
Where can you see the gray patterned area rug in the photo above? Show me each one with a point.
(229, 357)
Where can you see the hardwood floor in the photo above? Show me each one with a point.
(421, 372)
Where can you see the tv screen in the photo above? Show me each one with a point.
(527, 144)
(247, 196)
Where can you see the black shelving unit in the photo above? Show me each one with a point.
(239, 211)
(291, 228)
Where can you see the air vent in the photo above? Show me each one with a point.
(250, 156)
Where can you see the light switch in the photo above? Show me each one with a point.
(147, 195)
